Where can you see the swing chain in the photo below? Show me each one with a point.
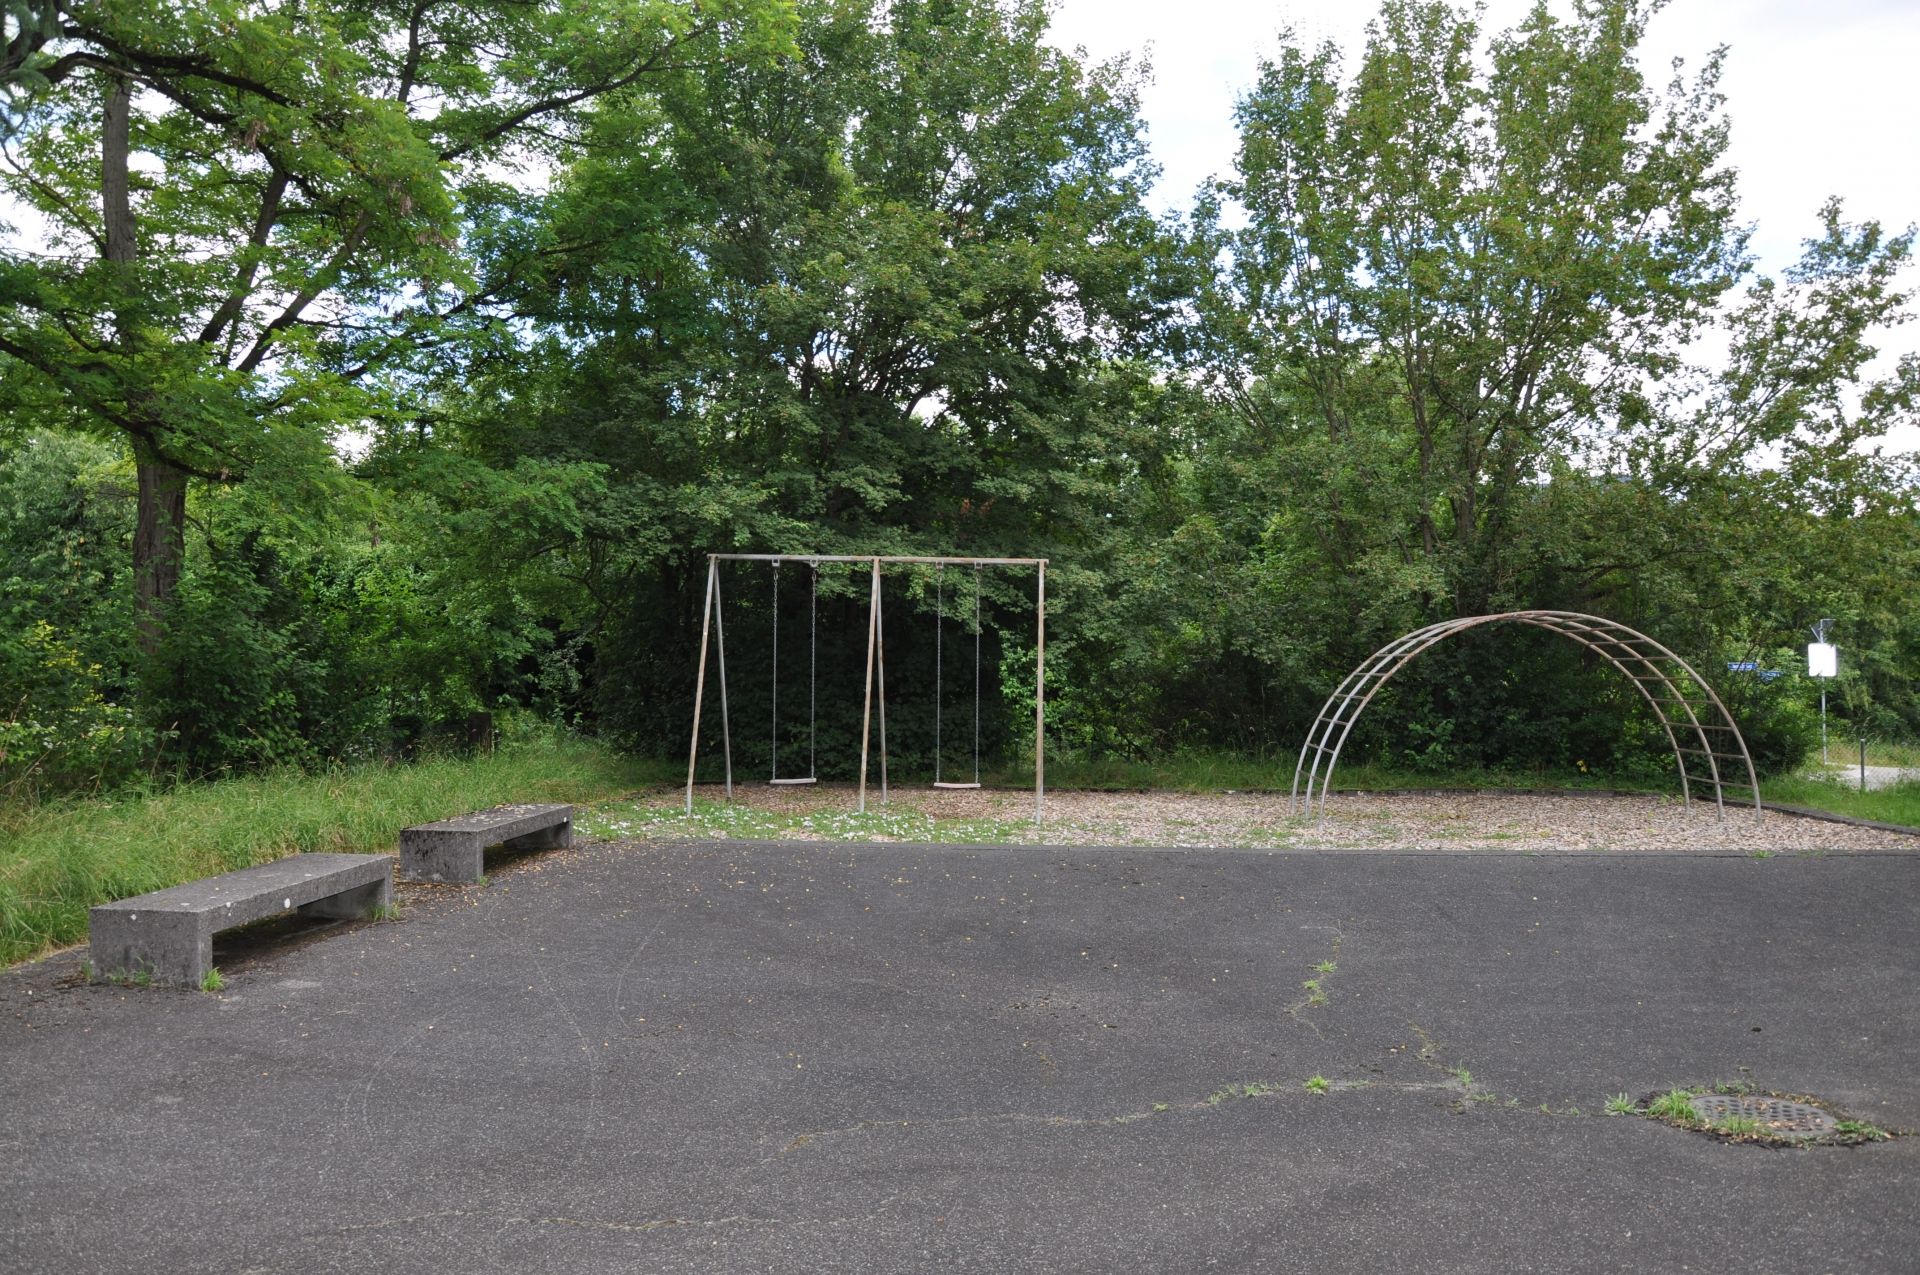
(976, 672)
(813, 667)
(773, 770)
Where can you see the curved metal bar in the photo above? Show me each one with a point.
(1680, 698)
(1348, 690)
(1639, 684)
(1726, 722)
(1622, 647)
(1329, 715)
(1426, 638)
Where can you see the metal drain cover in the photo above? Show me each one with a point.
(1779, 1116)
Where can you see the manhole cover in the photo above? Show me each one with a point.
(1777, 1115)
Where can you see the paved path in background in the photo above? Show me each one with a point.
(793, 1057)
(1877, 777)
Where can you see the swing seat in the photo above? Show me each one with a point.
(949, 784)
(781, 783)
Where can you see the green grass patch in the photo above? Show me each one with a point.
(901, 821)
(59, 859)
(1899, 804)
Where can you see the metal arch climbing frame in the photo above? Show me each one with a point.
(1667, 683)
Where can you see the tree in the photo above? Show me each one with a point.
(1462, 356)
(1462, 268)
(253, 213)
(860, 300)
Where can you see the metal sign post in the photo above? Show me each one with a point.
(1823, 661)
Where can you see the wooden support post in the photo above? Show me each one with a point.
(726, 718)
(700, 681)
(866, 720)
(880, 633)
(1040, 699)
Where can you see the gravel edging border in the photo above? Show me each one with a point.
(1805, 812)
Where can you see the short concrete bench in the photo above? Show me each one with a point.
(451, 850)
(168, 935)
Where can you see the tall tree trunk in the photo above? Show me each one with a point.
(159, 544)
(159, 536)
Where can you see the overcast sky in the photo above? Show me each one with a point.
(1824, 96)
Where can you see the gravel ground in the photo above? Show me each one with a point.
(1568, 823)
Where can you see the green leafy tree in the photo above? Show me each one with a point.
(253, 213)
(861, 300)
(1450, 270)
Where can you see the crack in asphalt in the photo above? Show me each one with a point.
(1221, 1098)
(596, 1224)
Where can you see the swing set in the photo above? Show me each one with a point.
(712, 621)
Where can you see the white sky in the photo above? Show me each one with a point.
(1824, 96)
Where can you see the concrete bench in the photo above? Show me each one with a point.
(169, 934)
(451, 849)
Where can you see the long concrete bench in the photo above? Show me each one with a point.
(452, 849)
(168, 935)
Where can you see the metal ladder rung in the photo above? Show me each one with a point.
(1708, 752)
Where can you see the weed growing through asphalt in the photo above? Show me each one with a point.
(1324, 967)
(1462, 1075)
(1736, 1126)
(1675, 1105)
(1621, 1105)
(212, 981)
(386, 912)
(1318, 1084)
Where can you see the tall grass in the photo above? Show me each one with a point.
(1899, 804)
(59, 859)
(1208, 772)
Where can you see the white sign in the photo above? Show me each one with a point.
(1823, 659)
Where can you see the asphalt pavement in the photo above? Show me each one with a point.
(799, 1057)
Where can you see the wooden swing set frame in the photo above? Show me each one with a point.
(712, 623)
